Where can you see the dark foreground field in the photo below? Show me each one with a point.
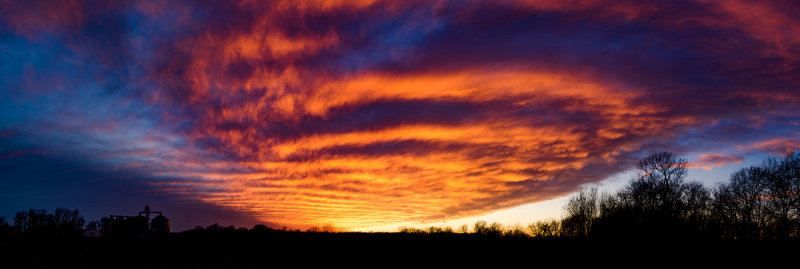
(294, 249)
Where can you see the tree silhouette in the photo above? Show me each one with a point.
(545, 228)
(515, 231)
(760, 201)
(660, 181)
(656, 202)
(64, 222)
(480, 227)
(322, 229)
(483, 228)
(94, 225)
(582, 210)
(742, 196)
(21, 220)
(463, 229)
(781, 195)
(4, 229)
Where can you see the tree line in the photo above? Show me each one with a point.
(757, 202)
(62, 222)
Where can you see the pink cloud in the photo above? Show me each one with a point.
(710, 161)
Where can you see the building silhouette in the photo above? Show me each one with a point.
(118, 226)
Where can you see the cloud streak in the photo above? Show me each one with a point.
(366, 113)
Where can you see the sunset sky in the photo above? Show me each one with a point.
(369, 115)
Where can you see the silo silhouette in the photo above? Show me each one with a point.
(160, 224)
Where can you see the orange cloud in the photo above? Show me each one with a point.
(356, 176)
(412, 171)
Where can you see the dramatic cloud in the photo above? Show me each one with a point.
(365, 113)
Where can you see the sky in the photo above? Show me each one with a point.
(368, 115)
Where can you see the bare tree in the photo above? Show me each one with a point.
(545, 228)
(481, 227)
(464, 229)
(663, 174)
(582, 210)
(656, 202)
(760, 201)
(694, 206)
(782, 192)
(515, 231)
(21, 220)
(791, 170)
(495, 229)
(63, 222)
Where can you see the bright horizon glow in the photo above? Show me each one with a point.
(552, 209)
